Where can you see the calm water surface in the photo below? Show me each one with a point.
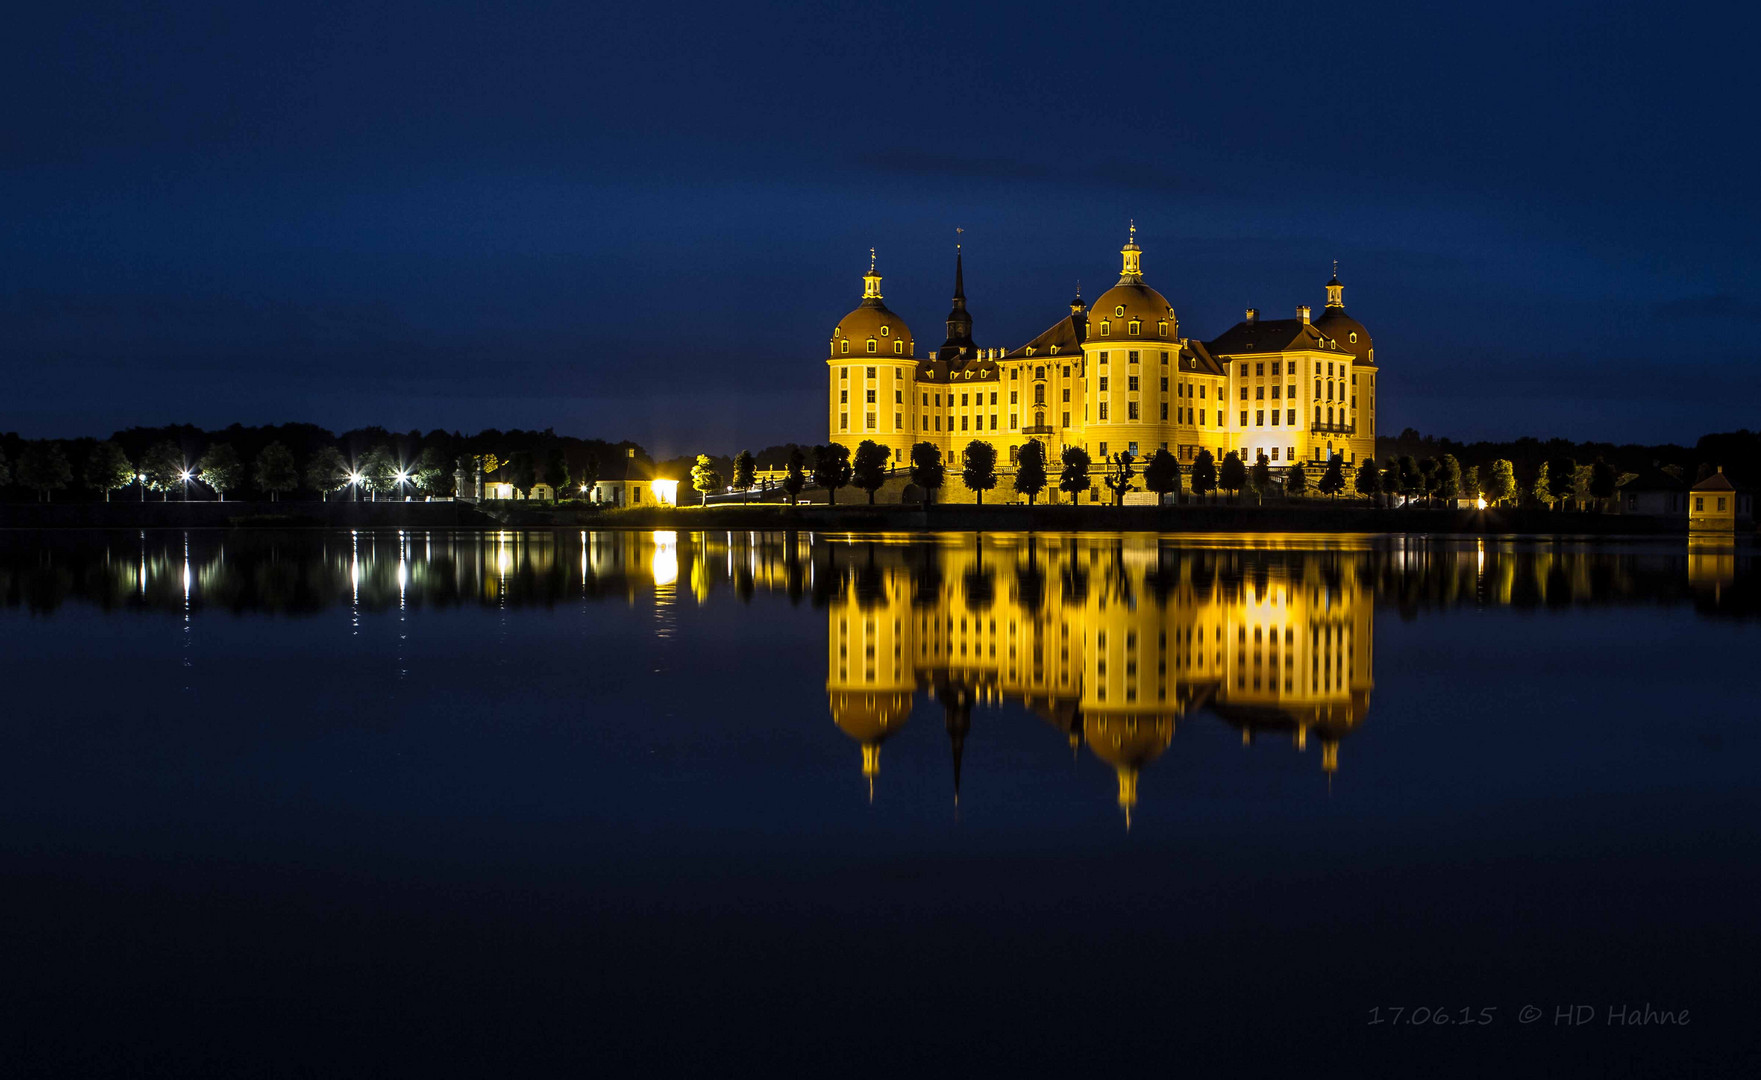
(325, 803)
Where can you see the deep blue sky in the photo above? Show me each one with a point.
(643, 220)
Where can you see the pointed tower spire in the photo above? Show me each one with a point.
(959, 344)
(1335, 291)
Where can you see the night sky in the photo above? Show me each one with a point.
(643, 220)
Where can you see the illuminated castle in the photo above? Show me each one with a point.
(1112, 641)
(1117, 376)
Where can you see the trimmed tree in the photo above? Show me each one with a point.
(1368, 480)
(927, 470)
(108, 468)
(795, 476)
(379, 471)
(1448, 479)
(1428, 478)
(328, 471)
(556, 470)
(1412, 481)
(1260, 476)
(1603, 480)
(434, 471)
(1561, 478)
(978, 467)
(1073, 477)
(1162, 474)
(745, 471)
(1296, 479)
(1030, 470)
(1232, 477)
(868, 471)
(221, 469)
(275, 471)
(43, 467)
(1391, 481)
(1204, 474)
(1119, 475)
(163, 467)
(831, 469)
(1332, 480)
(704, 479)
(1498, 481)
(1470, 482)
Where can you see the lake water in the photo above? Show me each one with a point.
(328, 803)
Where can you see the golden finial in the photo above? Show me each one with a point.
(1335, 267)
(958, 231)
(871, 260)
(1133, 229)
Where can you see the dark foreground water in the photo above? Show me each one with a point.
(429, 803)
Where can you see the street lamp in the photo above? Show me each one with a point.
(185, 476)
(401, 478)
(142, 478)
(355, 482)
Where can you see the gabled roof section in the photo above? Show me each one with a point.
(1653, 480)
(1716, 482)
(1066, 335)
(1271, 336)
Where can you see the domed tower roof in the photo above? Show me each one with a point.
(870, 719)
(1132, 303)
(1336, 324)
(873, 322)
(1127, 741)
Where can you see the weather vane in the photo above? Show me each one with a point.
(957, 231)
(871, 260)
(1335, 267)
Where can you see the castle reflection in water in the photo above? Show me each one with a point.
(1113, 639)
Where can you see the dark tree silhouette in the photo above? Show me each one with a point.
(927, 470)
(1204, 474)
(1232, 477)
(869, 470)
(1073, 479)
(978, 467)
(745, 472)
(1368, 481)
(796, 476)
(275, 471)
(831, 469)
(1030, 470)
(108, 468)
(1162, 474)
(1119, 475)
(1260, 476)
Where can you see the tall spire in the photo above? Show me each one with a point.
(1131, 260)
(959, 343)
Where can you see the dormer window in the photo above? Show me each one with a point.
(844, 346)
(1134, 328)
(1354, 337)
(871, 345)
(898, 348)
(885, 330)
(1119, 312)
(1161, 329)
(1054, 350)
(1106, 328)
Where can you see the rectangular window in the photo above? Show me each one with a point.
(938, 401)
(963, 400)
(993, 397)
(926, 398)
(1259, 418)
(1103, 384)
(1201, 390)
(1164, 359)
(1275, 367)
(1012, 424)
(1013, 396)
(1131, 410)
(1066, 371)
(844, 373)
(993, 421)
(1103, 410)
(1131, 382)
(1275, 390)
(1131, 356)
(1201, 418)
(1259, 368)
(871, 424)
(1699, 503)
(871, 373)
(1164, 410)
(844, 421)
(963, 422)
(898, 397)
(1244, 418)
(843, 397)
(1244, 393)
(1274, 453)
(1103, 358)
(1164, 384)
(1290, 453)
(898, 420)
(1103, 449)
(1244, 369)
(1066, 393)
(1274, 417)
(1290, 416)
(1259, 393)
(1290, 391)
(871, 397)
(1066, 419)
(938, 423)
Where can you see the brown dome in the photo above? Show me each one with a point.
(868, 717)
(1348, 332)
(872, 322)
(1127, 740)
(1121, 305)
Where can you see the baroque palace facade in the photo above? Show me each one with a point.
(1117, 376)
